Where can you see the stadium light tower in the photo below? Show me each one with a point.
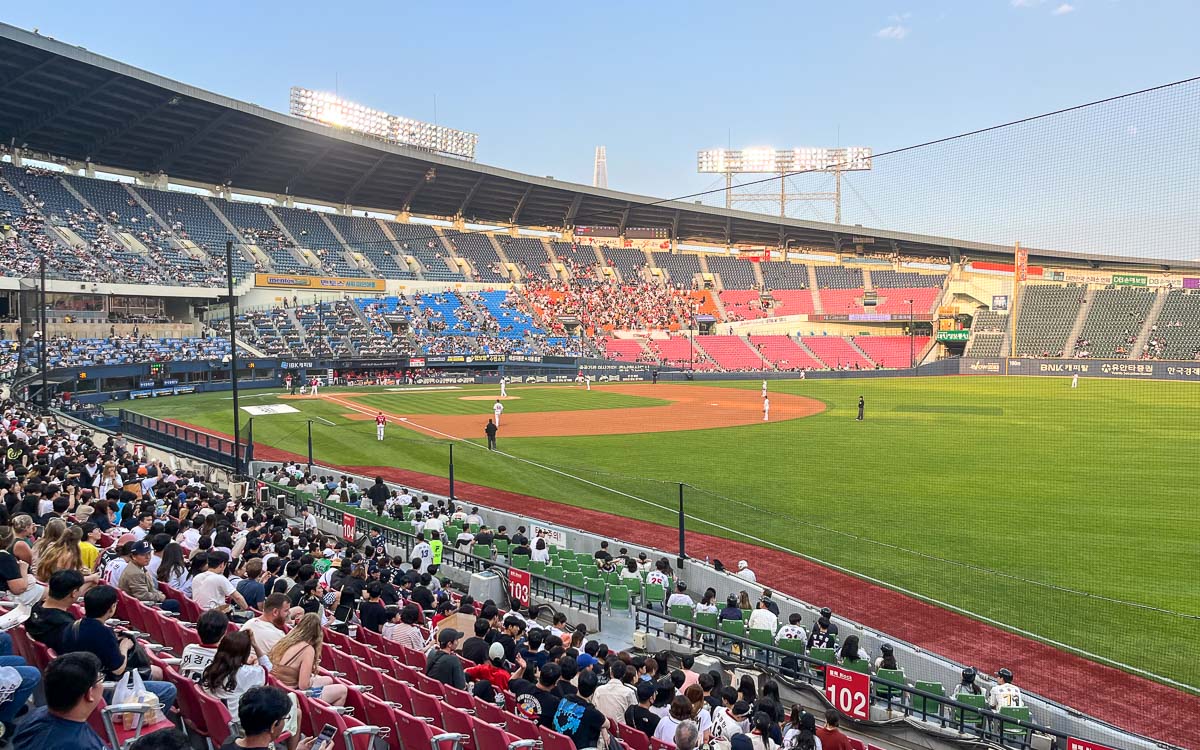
(330, 109)
(600, 168)
(783, 162)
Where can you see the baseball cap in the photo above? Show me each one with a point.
(329, 552)
(446, 636)
(496, 651)
(742, 564)
(586, 661)
(140, 548)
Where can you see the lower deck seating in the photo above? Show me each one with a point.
(892, 351)
(837, 353)
(785, 354)
(731, 353)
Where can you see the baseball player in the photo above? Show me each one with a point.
(1075, 380)
(287, 383)
(503, 387)
(497, 410)
(766, 409)
(764, 393)
(380, 423)
(587, 381)
(312, 387)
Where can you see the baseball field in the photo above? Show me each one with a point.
(1063, 514)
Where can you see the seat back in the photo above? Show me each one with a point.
(460, 699)
(634, 738)
(1020, 713)
(891, 675)
(460, 722)
(707, 619)
(928, 706)
(827, 655)
(970, 717)
(681, 612)
(552, 740)
(858, 665)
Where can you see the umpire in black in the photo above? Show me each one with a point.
(491, 431)
(862, 405)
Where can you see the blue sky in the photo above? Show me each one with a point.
(544, 83)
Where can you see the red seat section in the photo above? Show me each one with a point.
(742, 304)
(626, 350)
(730, 352)
(785, 354)
(836, 352)
(891, 351)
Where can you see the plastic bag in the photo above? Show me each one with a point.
(131, 689)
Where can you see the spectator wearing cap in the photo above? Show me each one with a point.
(968, 684)
(762, 618)
(731, 611)
(887, 658)
(680, 598)
(744, 572)
(820, 637)
(1005, 694)
(443, 664)
(640, 716)
(831, 626)
(137, 581)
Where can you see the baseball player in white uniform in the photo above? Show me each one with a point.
(380, 423)
(503, 387)
(764, 393)
(497, 410)
(313, 387)
(587, 381)
(1075, 380)
(766, 409)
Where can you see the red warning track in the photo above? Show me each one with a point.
(1125, 700)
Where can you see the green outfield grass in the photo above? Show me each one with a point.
(1018, 499)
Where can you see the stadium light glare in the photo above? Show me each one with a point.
(329, 109)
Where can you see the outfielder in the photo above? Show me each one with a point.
(380, 423)
(587, 381)
(497, 410)
(766, 409)
(764, 393)
(1075, 380)
(503, 387)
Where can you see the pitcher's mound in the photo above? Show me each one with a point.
(488, 398)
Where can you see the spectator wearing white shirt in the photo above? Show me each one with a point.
(474, 517)
(793, 631)
(211, 589)
(267, 628)
(145, 522)
(307, 520)
(681, 598)
(763, 618)
(422, 554)
(745, 573)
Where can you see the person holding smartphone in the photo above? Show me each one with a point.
(262, 713)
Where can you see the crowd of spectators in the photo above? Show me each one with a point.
(608, 306)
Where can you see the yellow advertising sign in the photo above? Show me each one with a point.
(330, 283)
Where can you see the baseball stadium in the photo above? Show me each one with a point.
(932, 419)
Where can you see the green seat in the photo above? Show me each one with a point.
(613, 577)
(481, 550)
(501, 546)
(555, 552)
(1020, 713)
(928, 706)
(585, 558)
(521, 562)
(596, 586)
(792, 645)
(970, 718)
(707, 619)
(618, 597)
(887, 692)
(681, 612)
(406, 527)
(733, 627)
(537, 568)
(653, 595)
(569, 563)
(557, 574)
(858, 665)
(575, 578)
(474, 528)
(762, 635)
(824, 655)
(746, 615)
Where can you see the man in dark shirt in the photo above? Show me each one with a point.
(422, 595)
(262, 713)
(371, 612)
(475, 648)
(490, 430)
(539, 705)
(49, 618)
(577, 718)
(640, 717)
(444, 665)
(602, 556)
(74, 685)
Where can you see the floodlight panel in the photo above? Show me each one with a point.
(763, 160)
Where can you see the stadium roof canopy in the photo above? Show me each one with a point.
(65, 101)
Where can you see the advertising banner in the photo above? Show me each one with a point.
(959, 335)
(1125, 279)
(552, 536)
(999, 302)
(1191, 283)
(287, 281)
(1074, 743)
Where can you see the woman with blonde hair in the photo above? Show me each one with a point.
(63, 554)
(22, 545)
(55, 528)
(297, 657)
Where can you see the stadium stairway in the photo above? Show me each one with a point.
(1160, 301)
(237, 235)
(818, 306)
(1089, 298)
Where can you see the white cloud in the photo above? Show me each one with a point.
(895, 31)
(1063, 9)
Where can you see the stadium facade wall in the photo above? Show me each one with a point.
(1123, 369)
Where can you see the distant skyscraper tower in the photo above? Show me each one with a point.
(600, 169)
